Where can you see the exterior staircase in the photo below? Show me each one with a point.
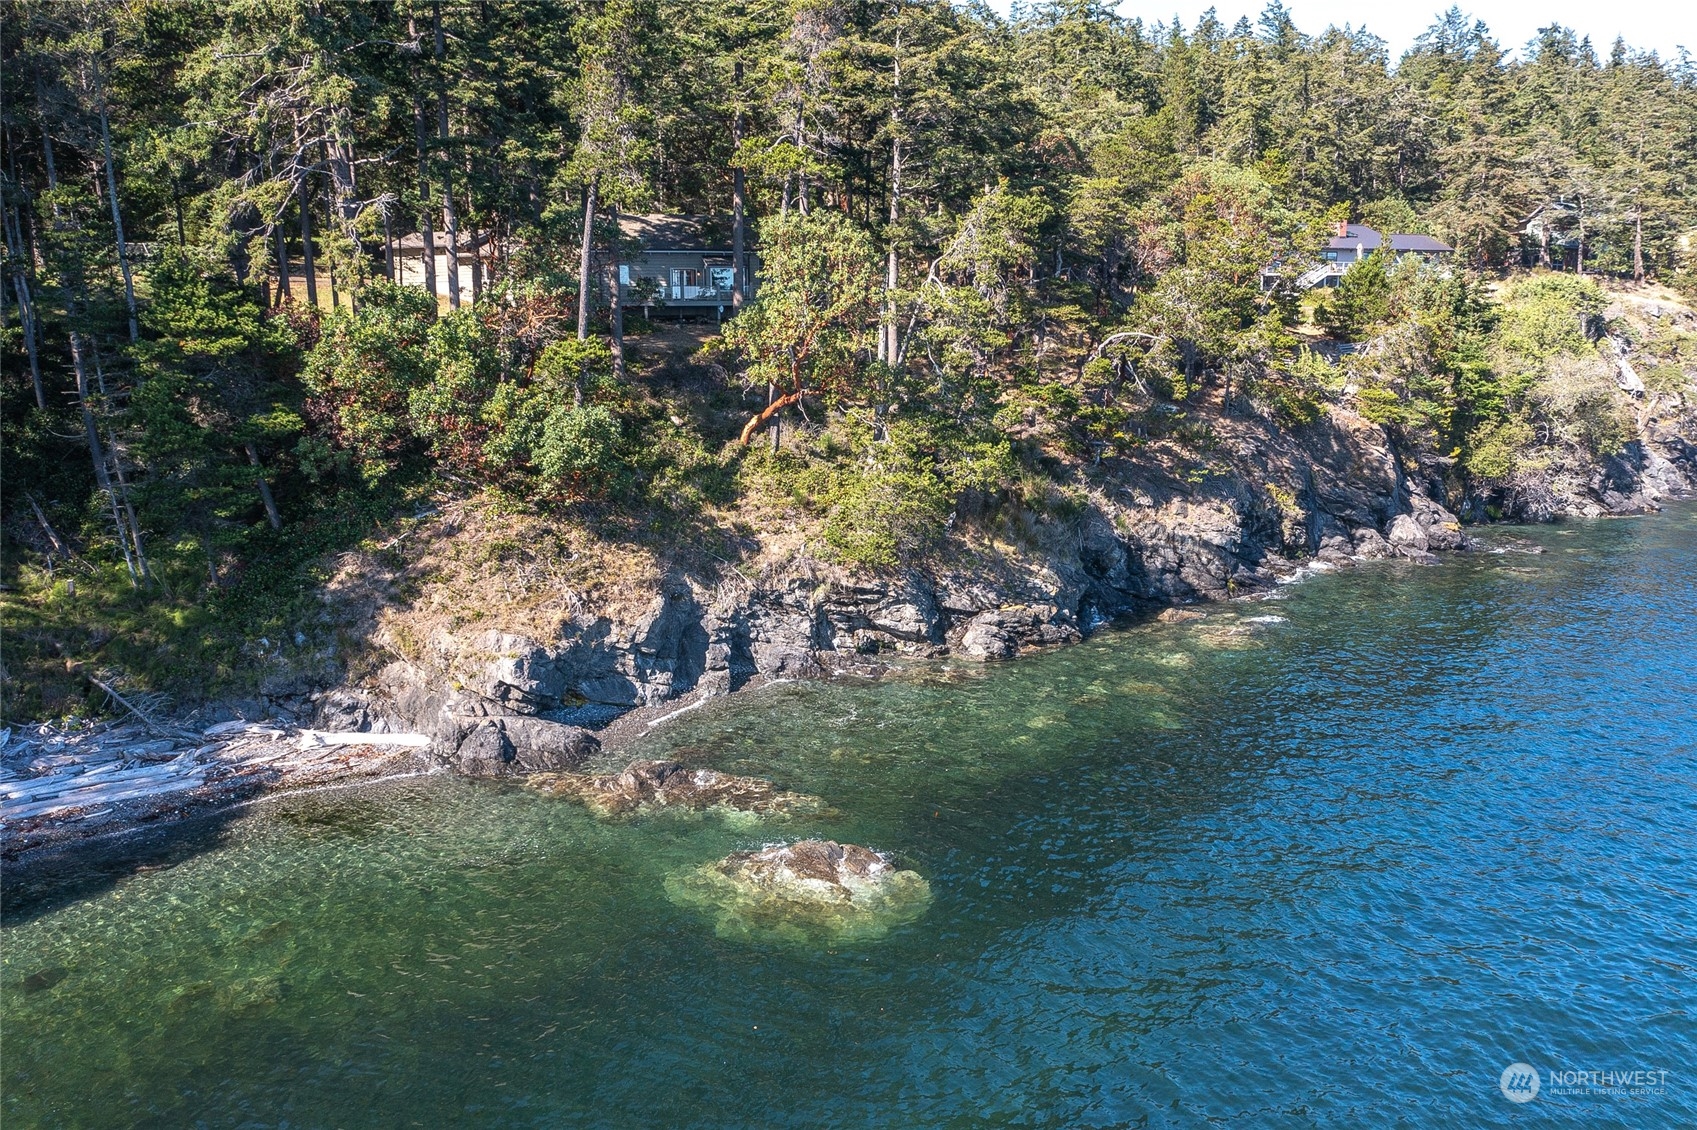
(1315, 276)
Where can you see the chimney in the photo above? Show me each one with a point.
(1343, 229)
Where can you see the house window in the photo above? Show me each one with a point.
(624, 274)
(721, 279)
(686, 282)
(1331, 256)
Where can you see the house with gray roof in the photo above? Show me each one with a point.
(1350, 244)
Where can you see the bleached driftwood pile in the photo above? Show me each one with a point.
(63, 784)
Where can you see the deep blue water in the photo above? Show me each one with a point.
(1337, 871)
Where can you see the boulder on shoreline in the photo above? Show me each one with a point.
(1003, 633)
(644, 785)
(512, 746)
(810, 890)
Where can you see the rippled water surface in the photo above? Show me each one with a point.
(1340, 871)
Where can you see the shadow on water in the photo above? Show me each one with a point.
(51, 878)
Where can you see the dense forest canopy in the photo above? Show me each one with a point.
(983, 239)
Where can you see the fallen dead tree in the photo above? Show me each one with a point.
(312, 738)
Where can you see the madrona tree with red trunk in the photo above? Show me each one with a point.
(807, 333)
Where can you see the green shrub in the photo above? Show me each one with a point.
(1381, 406)
(462, 368)
(1684, 283)
(578, 446)
(1547, 315)
(883, 519)
(1580, 400)
(1361, 299)
(1295, 407)
(1667, 378)
(539, 429)
(1495, 451)
(362, 372)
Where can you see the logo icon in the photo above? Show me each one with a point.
(1519, 1083)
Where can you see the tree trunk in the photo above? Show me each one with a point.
(584, 252)
(424, 227)
(112, 196)
(1579, 252)
(26, 315)
(887, 332)
(271, 514)
(339, 159)
(739, 201)
(772, 409)
(388, 248)
(1638, 245)
(283, 292)
(79, 364)
(97, 454)
(532, 191)
(129, 508)
(46, 139)
(117, 456)
(450, 216)
(329, 256)
(476, 246)
(616, 306)
(211, 563)
(26, 307)
(887, 345)
(53, 538)
(801, 147)
(308, 269)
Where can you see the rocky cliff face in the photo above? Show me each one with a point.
(1149, 534)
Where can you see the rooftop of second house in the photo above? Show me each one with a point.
(659, 232)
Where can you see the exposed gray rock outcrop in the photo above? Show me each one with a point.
(1407, 536)
(515, 746)
(1002, 633)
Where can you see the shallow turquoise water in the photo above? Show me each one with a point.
(1438, 821)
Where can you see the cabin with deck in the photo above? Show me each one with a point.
(683, 265)
(680, 264)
